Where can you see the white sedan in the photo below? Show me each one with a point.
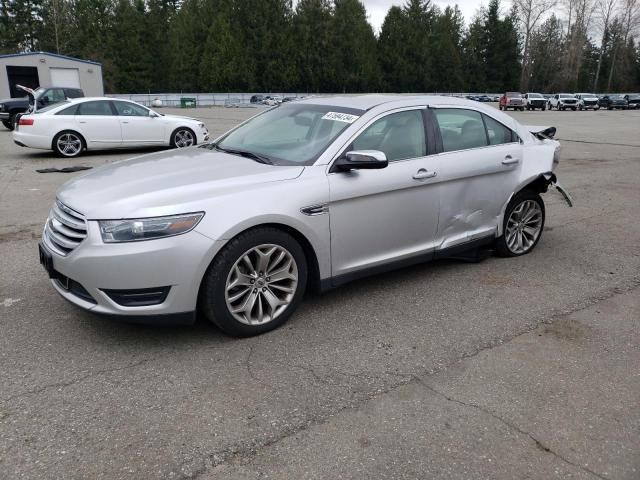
(70, 127)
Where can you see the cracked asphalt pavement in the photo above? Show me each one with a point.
(503, 369)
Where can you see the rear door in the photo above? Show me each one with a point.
(98, 124)
(138, 128)
(478, 169)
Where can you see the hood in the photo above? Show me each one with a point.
(180, 117)
(21, 100)
(165, 183)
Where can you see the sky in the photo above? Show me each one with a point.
(377, 9)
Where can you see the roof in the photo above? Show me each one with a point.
(49, 55)
(367, 102)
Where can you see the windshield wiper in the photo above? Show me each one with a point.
(244, 153)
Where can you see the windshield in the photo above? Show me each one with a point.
(617, 97)
(513, 95)
(586, 94)
(291, 134)
(566, 95)
(535, 95)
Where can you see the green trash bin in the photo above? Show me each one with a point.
(187, 102)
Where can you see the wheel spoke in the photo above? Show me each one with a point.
(255, 299)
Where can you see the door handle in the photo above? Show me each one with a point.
(422, 174)
(82, 121)
(124, 122)
(509, 160)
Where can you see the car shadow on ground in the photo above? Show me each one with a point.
(204, 332)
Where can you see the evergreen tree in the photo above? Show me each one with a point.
(353, 49)
(446, 48)
(312, 24)
(547, 46)
(223, 65)
(128, 47)
(392, 46)
(187, 38)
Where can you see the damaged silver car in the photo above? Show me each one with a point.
(309, 194)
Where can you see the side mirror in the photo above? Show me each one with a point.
(153, 114)
(361, 160)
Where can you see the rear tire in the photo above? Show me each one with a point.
(11, 122)
(68, 144)
(255, 282)
(522, 225)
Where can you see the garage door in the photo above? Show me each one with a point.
(65, 77)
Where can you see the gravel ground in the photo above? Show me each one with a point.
(375, 374)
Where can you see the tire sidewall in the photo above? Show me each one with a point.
(179, 129)
(212, 295)
(57, 150)
(501, 244)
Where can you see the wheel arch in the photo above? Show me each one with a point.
(313, 266)
(539, 184)
(183, 127)
(71, 130)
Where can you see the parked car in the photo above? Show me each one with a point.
(633, 100)
(483, 98)
(310, 194)
(587, 101)
(512, 100)
(256, 99)
(44, 96)
(73, 126)
(613, 101)
(562, 101)
(272, 100)
(534, 100)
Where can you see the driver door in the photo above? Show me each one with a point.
(382, 216)
(138, 128)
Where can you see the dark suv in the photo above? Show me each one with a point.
(44, 96)
(613, 101)
(633, 100)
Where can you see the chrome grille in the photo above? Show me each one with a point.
(64, 230)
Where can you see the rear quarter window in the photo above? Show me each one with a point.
(72, 110)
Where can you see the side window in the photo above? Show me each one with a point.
(127, 109)
(56, 95)
(72, 110)
(72, 93)
(398, 135)
(460, 129)
(497, 132)
(101, 107)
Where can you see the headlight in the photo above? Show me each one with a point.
(137, 229)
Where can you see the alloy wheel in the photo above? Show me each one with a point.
(69, 144)
(524, 226)
(261, 284)
(183, 138)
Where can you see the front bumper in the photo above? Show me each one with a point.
(90, 270)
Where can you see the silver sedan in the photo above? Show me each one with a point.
(307, 195)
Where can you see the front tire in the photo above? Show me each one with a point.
(255, 283)
(523, 225)
(68, 144)
(183, 137)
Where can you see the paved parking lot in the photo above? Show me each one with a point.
(510, 368)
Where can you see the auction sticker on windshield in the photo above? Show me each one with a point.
(340, 117)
